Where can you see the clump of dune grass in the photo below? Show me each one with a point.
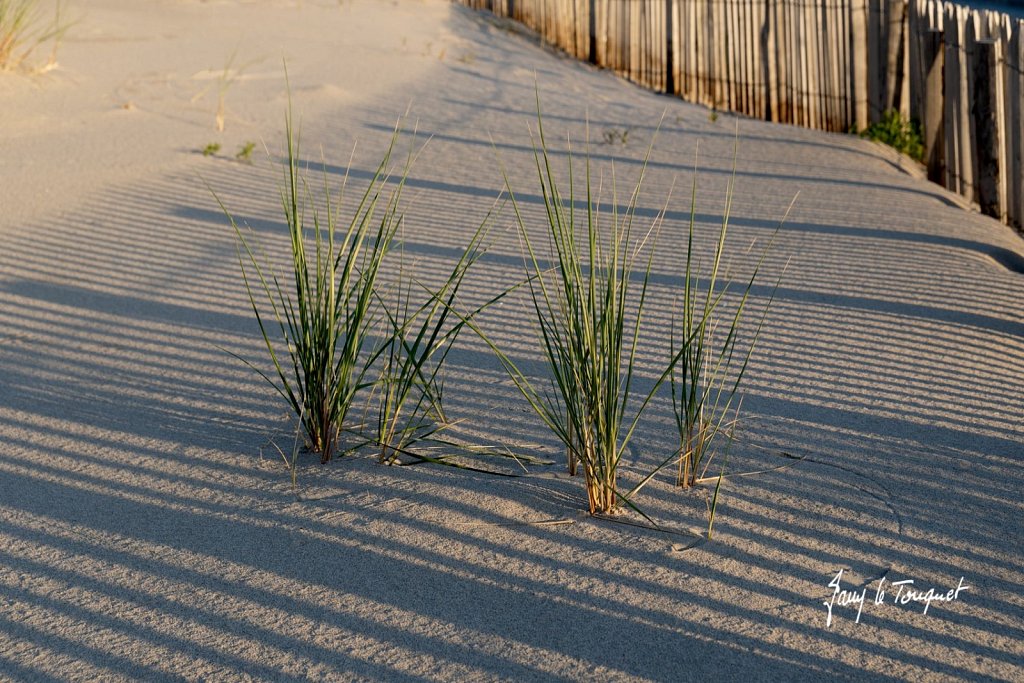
(341, 336)
(588, 308)
(410, 388)
(319, 336)
(335, 332)
(23, 30)
(710, 358)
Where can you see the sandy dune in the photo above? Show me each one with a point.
(148, 530)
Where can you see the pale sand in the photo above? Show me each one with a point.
(143, 537)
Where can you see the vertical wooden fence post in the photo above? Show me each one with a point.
(859, 62)
(895, 17)
(952, 32)
(986, 110)
(1017, 74)
(967, 127)
(769, 65)
(670, 48)
(915, 29)
(933, 63)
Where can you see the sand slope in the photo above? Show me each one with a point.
(147, 527)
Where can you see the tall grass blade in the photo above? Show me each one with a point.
(410, 388)
(712, 363)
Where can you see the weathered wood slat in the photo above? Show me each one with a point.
(792, 64)
(1008, 75)
(859, 67)
(1016, 69)
(932, 59)
(894, 20)
(952, 36)
(968, 139)
(987, 106)
(768, 50)
(814, 62)
(840, 112)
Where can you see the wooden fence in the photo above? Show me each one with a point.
(834, 65)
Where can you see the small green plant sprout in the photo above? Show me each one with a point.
(710, 358)
(589, 316)
(211, 149)
(317, 337)
(23, 30)
(902, 135)
(614, 136)
(244, 153)
(410, 388)
(713, 115)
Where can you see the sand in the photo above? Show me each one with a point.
(149, 531)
